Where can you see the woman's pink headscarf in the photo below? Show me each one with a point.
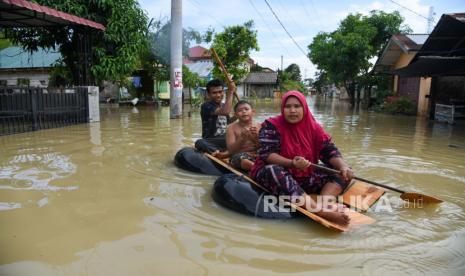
(305, 138)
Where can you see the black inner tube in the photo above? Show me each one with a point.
(236, 193)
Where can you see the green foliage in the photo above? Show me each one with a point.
(321, 80)
(60, 76)
(381, 96)
(293, 72)
(4, 43)
(401, 105)
(196, 103)
(256, 68)
(23, 82)
(293, 85)
(115, 52)
(309, 82)
(290, 79)
(282, 77)
(190, 79)
(233, 46)
(156, 60)
(386, 25)
(160, 42)
(344, 54)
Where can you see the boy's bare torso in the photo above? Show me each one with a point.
(248, 134)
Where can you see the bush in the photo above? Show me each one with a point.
(60, 76)
(381, 96)
(293, 85)
(399, 105)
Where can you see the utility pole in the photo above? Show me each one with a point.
(176, 60)
(281, 63)
(430, 20)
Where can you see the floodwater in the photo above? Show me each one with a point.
(106, 199)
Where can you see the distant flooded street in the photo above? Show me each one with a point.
(106, 199)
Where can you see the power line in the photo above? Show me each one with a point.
(291, 17)
(192, 2)
(306, 11)
(269, 28)
(282, 25)
(429, 19)
(316, 11)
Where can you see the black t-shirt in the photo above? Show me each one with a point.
(212, 125)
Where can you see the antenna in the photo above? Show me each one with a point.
(430, 20)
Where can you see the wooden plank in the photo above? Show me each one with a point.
(361, 195)
(356, 219)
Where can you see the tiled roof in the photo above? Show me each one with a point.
(394, 48)
(16, 57)
(262, 78)
(18, 13)
(199, 52)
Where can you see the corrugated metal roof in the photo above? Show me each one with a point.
(22, 13)
(447, 38)
(397, 45)
(443, 53)
(262, 78)
(407, 42)
(16, 57)
(202, 68)
(433, 66)
(419, 39)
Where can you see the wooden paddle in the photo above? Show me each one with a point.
(356, 218)
(225, 72)
(410, 197)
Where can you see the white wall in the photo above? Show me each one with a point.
(240, 90)
(36, 78)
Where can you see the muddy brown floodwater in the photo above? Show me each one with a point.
(106, 199)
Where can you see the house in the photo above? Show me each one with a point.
(198, 53)
(442, 59)
(200, 62)
(260, 84)
(18, 66)
(399, 52)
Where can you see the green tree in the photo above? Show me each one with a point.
(233, 46)
(309, 82)
(191, 80)
(160, 39)
(256, 68)
(115, 52)
(344, 54)
(321, 80)
(286, 83)
(156, 59)
(293, 72)
(4, 42)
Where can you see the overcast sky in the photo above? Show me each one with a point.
(302, 18)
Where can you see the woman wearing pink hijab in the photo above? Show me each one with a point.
(289, 143)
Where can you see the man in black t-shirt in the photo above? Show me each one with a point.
(215, 115)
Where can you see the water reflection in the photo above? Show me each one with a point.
(133, 212)
(31, 171)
